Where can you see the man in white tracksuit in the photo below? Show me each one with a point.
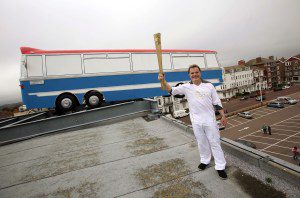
(202, 98)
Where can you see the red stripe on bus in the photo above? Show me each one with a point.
(29, 50)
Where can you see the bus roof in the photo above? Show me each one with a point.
(29, 50)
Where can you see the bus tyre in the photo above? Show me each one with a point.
(94, 99)
(179, 96)
(65, 103)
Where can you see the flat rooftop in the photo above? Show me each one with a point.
(130, 158)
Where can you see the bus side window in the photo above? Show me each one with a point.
(183, 60)
(148, 61)
(63, 64)
(211, 61)
(34, 64)
(104, 63)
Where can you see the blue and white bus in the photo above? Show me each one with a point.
(65, 79)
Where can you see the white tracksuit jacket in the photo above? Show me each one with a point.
(201, 99)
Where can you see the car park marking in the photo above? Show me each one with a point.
(230, 124)
(260, 132)
(267, 109)
(284, 130)
(257, 112)
(260, 117)
(282, 140)
(289, 127)
(281, 125)
(293, 122)
(261, 111)
(285, 133)
(268, 137)
(264, 143)
(277, 153)
(279, 134)
(282, 147)
(237, 121)
(253, 141)
(233, 124)
(249, 134)
(243, 129)
(289, 141)
(272, 127)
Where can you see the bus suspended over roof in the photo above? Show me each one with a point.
(29, 50)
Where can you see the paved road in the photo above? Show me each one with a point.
(285, 125)
(236, 104)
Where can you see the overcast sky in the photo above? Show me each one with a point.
(236, 29)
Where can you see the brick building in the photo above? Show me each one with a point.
(292, 69)
(281, 63)
(270, 69)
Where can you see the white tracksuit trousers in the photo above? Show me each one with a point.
(208, 138)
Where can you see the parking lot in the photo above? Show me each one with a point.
(285, 128)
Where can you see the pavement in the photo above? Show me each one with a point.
(132, 158)
(236, 104)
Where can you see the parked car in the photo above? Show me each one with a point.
(292, 101)
(245, 114)
(218, 113)
(244, 98)
(286, 87)
(258, 98)
(180, 113)
(287, 100)
(221, 127)
(275, 104)
(22, 108)
(277, 89)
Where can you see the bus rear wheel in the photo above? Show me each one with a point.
(65, 103)
(94, 99)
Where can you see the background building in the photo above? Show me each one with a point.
(271, 70)
(292, 69)
(177, 107)
(237, 79)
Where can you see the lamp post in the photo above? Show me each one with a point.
(260, 88)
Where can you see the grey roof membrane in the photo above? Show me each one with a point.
(132, 158)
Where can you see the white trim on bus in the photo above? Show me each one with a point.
(112, 88)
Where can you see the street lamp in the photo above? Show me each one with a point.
(260, 88)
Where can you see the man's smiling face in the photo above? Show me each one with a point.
(195, 75)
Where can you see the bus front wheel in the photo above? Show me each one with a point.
(94, 99)
(65, 103)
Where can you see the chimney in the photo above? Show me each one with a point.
(241, 62)
(271, 57)
(258, 59)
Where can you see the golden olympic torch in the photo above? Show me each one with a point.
(159, 56)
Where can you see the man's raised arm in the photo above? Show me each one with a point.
(161, 78)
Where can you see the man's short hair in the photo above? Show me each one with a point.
(193, 66)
